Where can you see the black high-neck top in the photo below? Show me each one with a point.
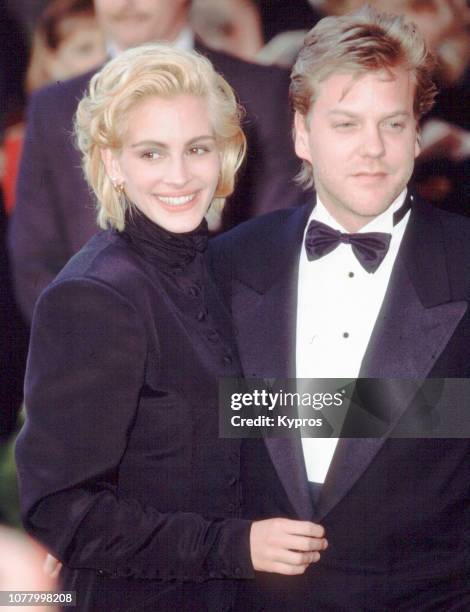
(178, 260)
(161, 246)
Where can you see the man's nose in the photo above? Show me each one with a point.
(373, 141)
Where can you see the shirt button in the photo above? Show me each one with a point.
(201, 315)
(233, 481)
(227, 359)
(193, 291)
(351, 274)
(231, 507)
(237, 571)
(213, 336)
(177, 269)
(345, 335)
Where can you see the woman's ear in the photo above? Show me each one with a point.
(111, 163)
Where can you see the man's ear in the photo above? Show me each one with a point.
(302, 146)
(111, 163)
(417, 145)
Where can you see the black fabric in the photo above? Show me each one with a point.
(13, 343)
(160, 246)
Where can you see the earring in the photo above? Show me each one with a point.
(119, 187)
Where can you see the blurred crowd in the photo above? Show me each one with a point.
(56, 40)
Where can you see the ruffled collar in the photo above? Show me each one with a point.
(162, 246)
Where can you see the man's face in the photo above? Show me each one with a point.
(128, 23)
(361, 140)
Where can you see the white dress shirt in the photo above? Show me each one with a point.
(184, 41)
(338, 303)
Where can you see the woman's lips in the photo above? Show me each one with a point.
(178, 203)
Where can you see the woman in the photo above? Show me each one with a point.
(122, 473)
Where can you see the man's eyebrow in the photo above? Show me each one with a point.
(163, 145)
(337, 111)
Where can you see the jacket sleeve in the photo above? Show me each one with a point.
(85, 371)
(36, 235)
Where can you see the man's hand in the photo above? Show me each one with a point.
(283, 546)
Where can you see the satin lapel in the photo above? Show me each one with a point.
(414, 326)
(265, 327)
(265, 321)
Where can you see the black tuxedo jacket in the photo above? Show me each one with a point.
(55, 214)
(396, 511)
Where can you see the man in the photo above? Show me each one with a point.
(368, 283)
(54, 214)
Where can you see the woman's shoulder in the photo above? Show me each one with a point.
(107, 262)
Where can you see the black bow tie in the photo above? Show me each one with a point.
(369, 247)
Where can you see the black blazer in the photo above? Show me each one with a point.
(55, 213)
(122, 473)
(396, 511)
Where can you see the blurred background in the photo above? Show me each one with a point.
(50, 41)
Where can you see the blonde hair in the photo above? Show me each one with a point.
(359, 42)
(139, 73)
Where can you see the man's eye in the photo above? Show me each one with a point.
(395, 126)
(345, 125)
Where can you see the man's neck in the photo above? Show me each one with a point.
(384, 220)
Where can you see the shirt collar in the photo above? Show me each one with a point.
(184, 41)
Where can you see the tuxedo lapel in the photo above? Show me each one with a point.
(415, 323)
(265, 328)
(264, 303)
(264, 297)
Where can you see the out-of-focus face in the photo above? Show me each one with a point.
(128, 23)
(361, 140)
(436, 19)
(81, 48)
(169, 162)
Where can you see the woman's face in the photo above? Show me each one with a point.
(169, 163)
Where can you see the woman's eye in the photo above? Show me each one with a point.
(151, 155)
(198, 150)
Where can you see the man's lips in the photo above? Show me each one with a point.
(369, 177)
(370, 174)
(130, 17)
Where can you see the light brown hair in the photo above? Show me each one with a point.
(357, 43)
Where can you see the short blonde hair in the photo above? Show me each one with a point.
(357, 43)
(139, 73)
